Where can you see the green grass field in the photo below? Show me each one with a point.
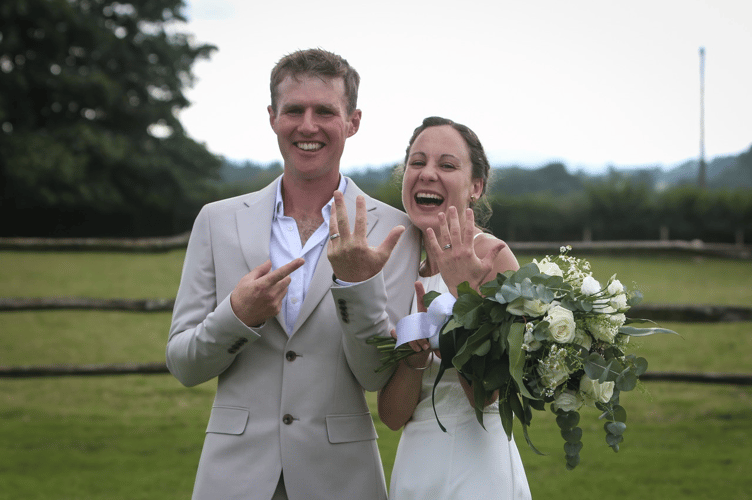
(139, 437)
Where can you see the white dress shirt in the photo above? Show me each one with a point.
(285, 246)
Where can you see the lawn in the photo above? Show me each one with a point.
(139, 437)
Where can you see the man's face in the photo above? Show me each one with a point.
(312, 124)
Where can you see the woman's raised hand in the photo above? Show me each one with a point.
(352, 259)
(453, 251)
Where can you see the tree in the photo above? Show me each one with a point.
(90, 142)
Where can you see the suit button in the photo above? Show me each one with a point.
(341, 302)
(290, 355)
(287, 419)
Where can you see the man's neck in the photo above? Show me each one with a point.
(305, 198)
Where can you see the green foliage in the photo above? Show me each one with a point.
(90, 140)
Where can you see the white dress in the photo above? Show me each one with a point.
(466, 462)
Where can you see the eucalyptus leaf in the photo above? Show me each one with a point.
(572, 449)
(527, 290)
(572, 462)
(615, 428)
(614, 440)
(568, 420)
(643, 332)
(626, 381)
(641, 366)
(572, 435)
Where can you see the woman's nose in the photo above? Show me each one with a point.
(428, 173)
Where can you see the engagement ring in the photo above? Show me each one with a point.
(335, 235)
(447, 246)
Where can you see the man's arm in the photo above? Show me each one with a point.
(205, 337)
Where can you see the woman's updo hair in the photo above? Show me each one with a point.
(481, 168)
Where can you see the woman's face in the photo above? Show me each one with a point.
(437, 176)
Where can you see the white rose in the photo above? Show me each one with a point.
(583, 338)
(615, 287)
(523, 307)
(568, 401)
(619, 302)
(605, 327)
(590, 286)
(549, 268)
(561, 324)
(594, 391)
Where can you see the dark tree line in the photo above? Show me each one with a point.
(89, 139)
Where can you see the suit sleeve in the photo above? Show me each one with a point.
(372, 308)
(204, 336)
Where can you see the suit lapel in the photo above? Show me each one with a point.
(322, 276)
(254, 222)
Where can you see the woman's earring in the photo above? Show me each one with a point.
(472, 199)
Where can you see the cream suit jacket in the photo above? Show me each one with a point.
(292, 404)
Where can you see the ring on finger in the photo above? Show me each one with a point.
(447, 246)
(334, 236)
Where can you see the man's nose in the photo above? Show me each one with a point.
(308, 124)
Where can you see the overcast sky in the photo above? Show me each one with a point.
(591, 83)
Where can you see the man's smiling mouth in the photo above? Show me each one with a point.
(309, 146)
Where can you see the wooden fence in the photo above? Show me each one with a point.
(655, 312)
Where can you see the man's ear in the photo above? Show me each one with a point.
(272, 116)
(354, 122)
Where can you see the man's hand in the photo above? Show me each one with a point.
(258, 296)
(351, 258)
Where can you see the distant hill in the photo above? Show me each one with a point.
(729, 172)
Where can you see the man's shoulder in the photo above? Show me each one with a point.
(242, 200)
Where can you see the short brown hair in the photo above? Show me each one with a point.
(316, 62)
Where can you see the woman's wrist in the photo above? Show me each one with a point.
(429, 360)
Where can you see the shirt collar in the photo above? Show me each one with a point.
(279, 204)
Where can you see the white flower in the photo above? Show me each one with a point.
(568, 401)
(561, 324)
(615, 287)
(550, 268)
(590, 286)
(619, 302)
(605, 327)
(523, 307)
(553, 369)
(582, 337)
(594, 391)
(529, 342)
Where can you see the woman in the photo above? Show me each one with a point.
(446, 172)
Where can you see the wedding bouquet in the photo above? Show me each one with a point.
(546, 334)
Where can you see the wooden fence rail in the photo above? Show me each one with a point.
(655, 312)
(32, 371)
(163, 244)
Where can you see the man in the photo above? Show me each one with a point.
(254, 309)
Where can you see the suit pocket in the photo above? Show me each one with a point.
(226, 420)
(349, 428)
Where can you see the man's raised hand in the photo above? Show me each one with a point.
(259, 294)
(352, 259)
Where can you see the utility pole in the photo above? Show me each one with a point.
(701, 171)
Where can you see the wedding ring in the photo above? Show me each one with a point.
(334, 236)
(447, 246)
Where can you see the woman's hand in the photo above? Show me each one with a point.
(352, 259)
(454, 251)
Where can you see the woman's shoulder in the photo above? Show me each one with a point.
(505, 260)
